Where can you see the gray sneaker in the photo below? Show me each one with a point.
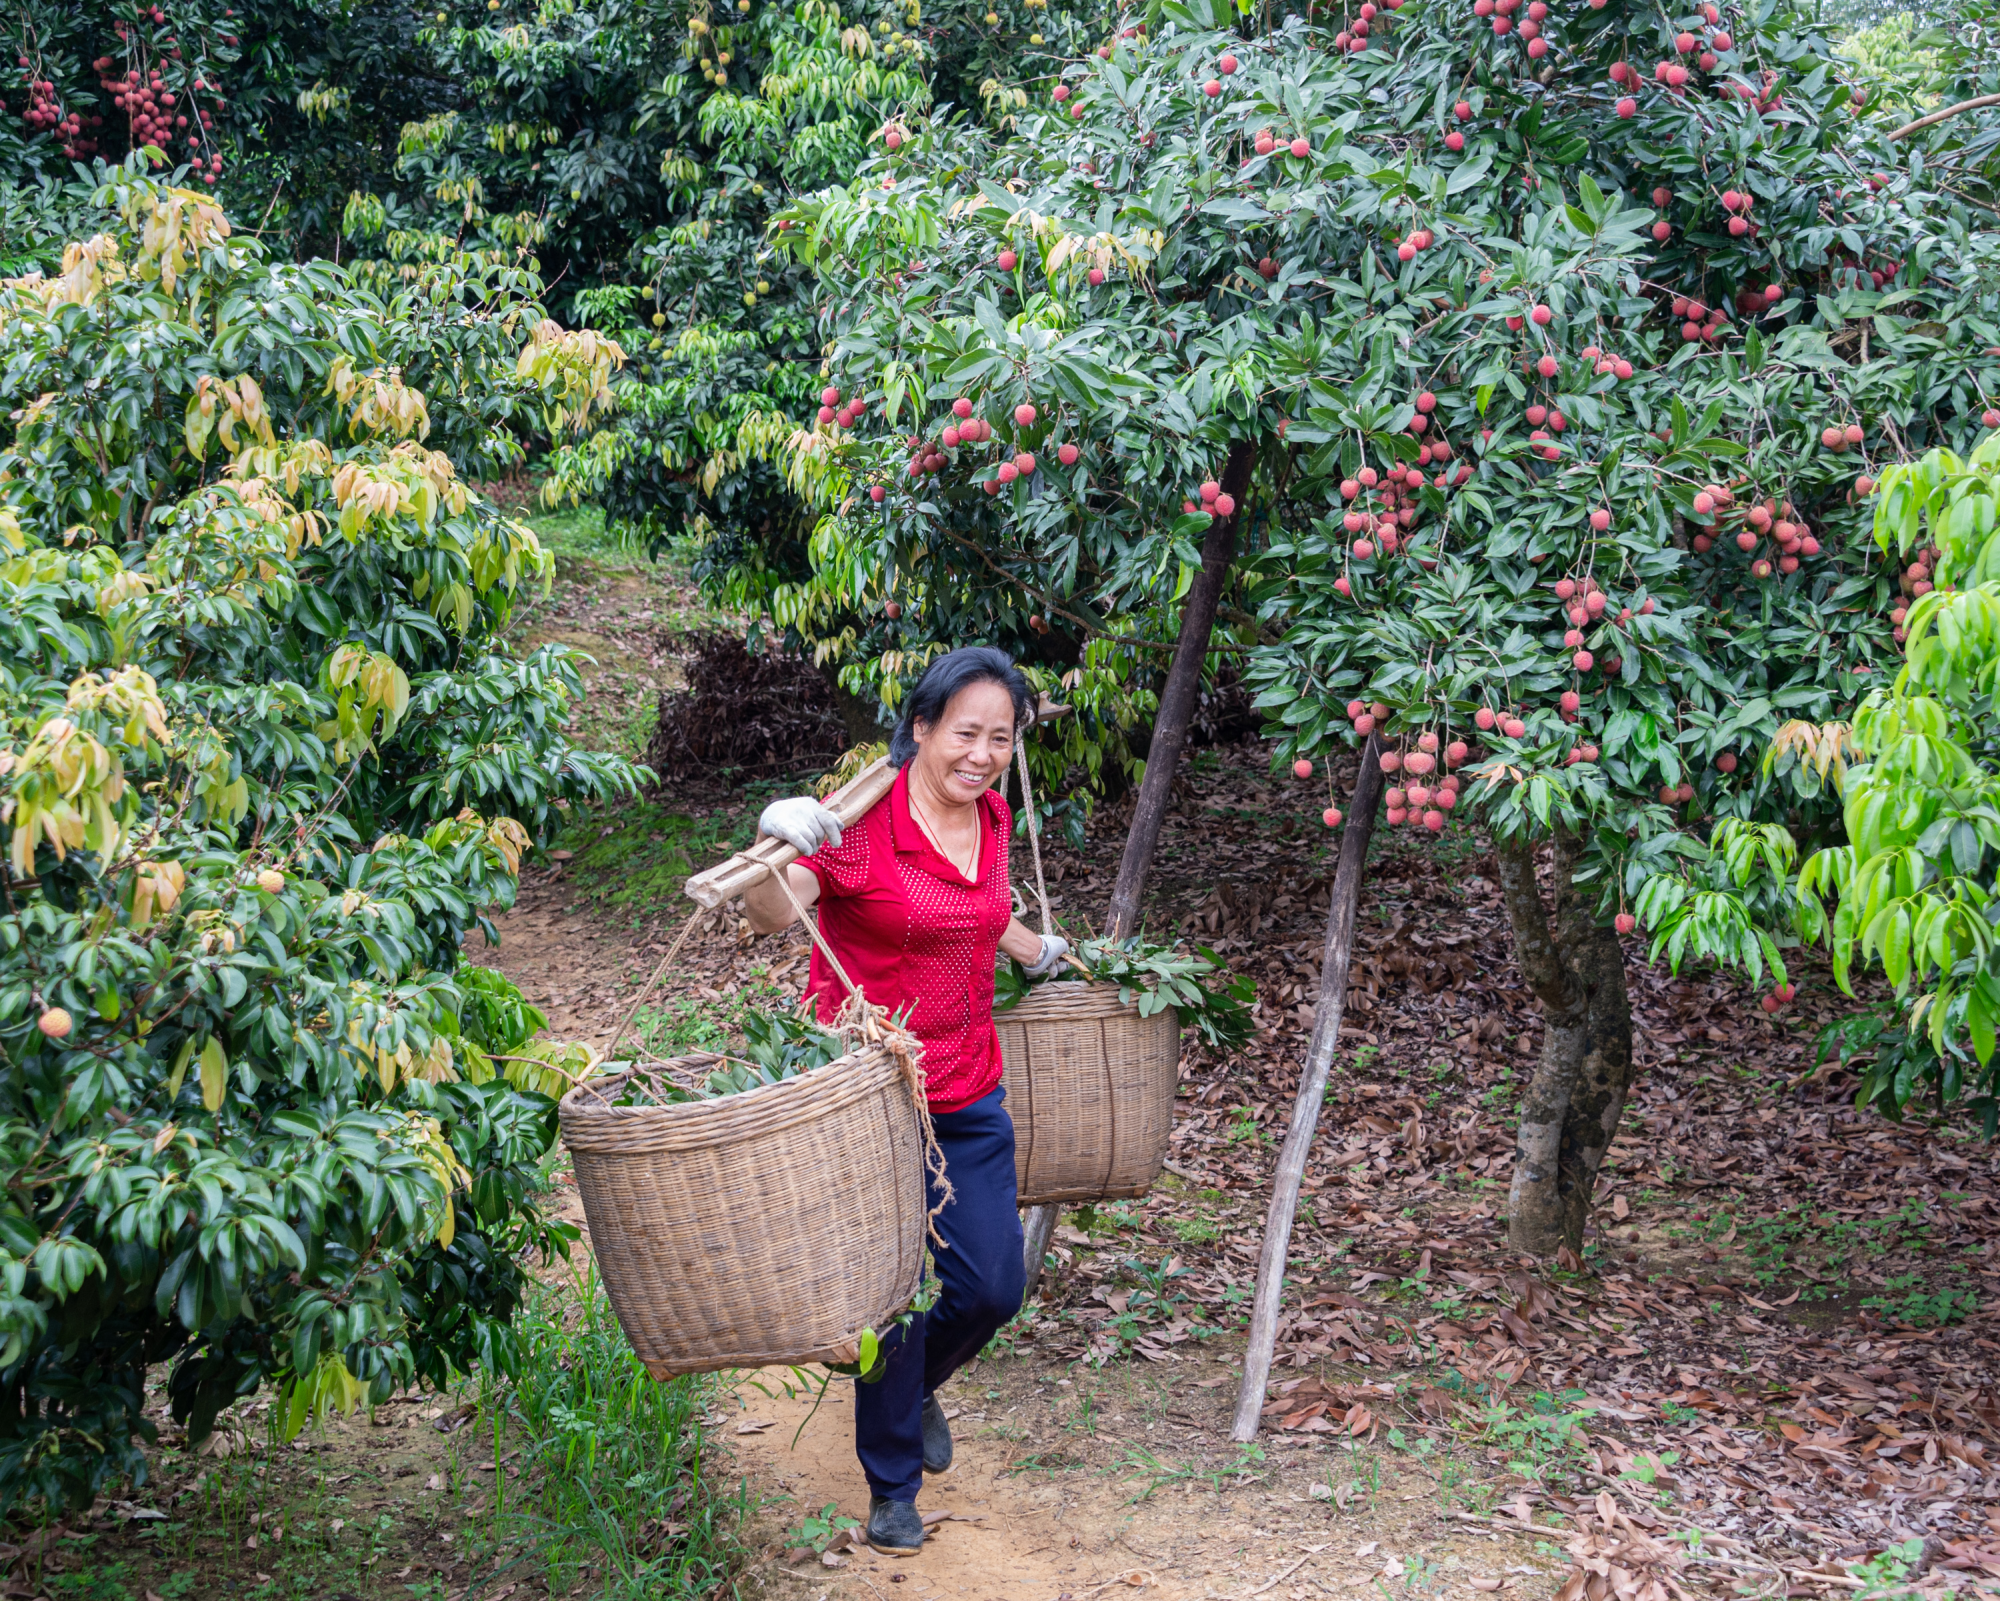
(895, 1528)
(937, 1436)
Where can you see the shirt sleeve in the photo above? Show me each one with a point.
(842, 869)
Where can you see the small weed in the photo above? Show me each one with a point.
(817, 1528)
(1141, 1463)
(1083, 1418)
(1906, 1300)
(1195, 1230)
(1545, 1437)
(1460, 1485)
(1046, 1462)
(1243, 1129)
(1648, 1468)
(1885, 1576)
(1420, 1576)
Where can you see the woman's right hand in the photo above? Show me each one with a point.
(801, 822)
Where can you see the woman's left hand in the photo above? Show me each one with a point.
(1054, 949)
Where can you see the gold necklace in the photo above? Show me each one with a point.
(937, 841)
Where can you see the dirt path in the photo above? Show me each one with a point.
(1030, 1518)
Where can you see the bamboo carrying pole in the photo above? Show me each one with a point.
(1291, 1172)
(727, 879)
(730, 878)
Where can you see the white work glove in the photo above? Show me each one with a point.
(1054, 949)
(801, 822)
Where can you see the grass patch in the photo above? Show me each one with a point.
(579, 1476)
(598, 1469)
(580, 531)
(634, 857)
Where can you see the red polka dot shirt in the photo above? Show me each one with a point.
(919, 937)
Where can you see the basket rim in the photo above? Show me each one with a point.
(590, 1097)
(1074, 997)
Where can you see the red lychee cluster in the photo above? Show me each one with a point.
(1419, 800)
(1384, 526)
(963, 431)
(1913, 584)
(1367, 21)
(44, 114)
(1214, 502)
(1586, 606)
(1699, 321)
(162, 116)
(1719, 509)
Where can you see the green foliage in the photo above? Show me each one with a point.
(1914, 883)
(1896, 1063)
(1886, 1575)
(1208, 997)
(1422, 461)
(264, 760)
(776, 1046)
(817, 1529)
(723, 114)
(1548, 1436)
(1908, 1302)
(1904, 58)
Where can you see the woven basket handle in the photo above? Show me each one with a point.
(1035, 846)
(1034, 828)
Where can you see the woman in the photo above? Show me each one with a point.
(914, 900)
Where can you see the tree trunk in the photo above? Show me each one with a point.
(1333, 968)
(1163, 756)
(1570, 1114)
(1179, 698)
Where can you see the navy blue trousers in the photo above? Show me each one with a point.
(982, 1279)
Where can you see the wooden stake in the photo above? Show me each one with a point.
(1312, 1092)
(1036, 1228)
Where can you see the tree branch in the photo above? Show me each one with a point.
(1974, 104)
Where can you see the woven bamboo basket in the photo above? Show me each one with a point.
(758, 1229)
(1090, 1086)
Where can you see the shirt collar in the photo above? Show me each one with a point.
(909, 838)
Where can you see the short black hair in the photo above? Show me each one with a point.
(944, 678)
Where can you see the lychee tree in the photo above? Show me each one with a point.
(265, 757)
(719, 113)
(1543, 387)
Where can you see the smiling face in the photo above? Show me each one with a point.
(966, 751)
